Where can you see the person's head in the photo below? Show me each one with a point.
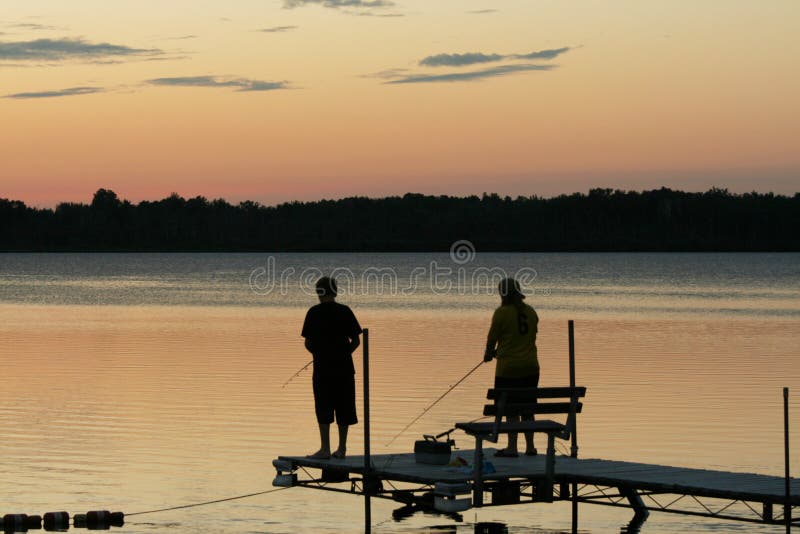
(510, 292)
(326, 289)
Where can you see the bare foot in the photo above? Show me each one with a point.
(339, 454)
(319, 455)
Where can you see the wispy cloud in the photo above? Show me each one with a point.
(459, 60)
(543, 54)
(493, 72)
(71, 91)
(68, 49)
(472, 58)
(482, 11)
(277, 29)
(241, 84)
(388, 74)
(337, 4)
(34, 26)
(372, 14)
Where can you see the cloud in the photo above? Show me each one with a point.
(459, 60)
(388, 74)
(544, 54)
(372, 14)
(492, 72)
(482, 11)
(68, 49)
(336, 4)
(71, 91)
(277, 29)
(472, 58)
(34, 26)
(242, 84)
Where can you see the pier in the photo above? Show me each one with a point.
(641, 487)
(541, 479)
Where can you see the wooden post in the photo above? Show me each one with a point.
(367, 479)
(787, 507)
(477, 473)
(574, 446)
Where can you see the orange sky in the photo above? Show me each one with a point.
(196, 98)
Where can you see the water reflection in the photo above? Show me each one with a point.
(165, 388)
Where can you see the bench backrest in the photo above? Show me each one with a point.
(528, 401)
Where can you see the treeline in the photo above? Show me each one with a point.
(602, 220)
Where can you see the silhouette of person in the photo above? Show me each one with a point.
(512, 340)
(331, 333)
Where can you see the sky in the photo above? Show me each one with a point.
(277, 100)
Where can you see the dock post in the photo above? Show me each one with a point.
(477, 470)
(787, 507)
(367, 479)
(574, 445)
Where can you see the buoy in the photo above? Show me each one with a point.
(56, 521)
(15, 523)
(34, 522)
(102, 519)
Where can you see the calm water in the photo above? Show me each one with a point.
(141, 381)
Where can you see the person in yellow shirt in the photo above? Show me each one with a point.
(512, 340)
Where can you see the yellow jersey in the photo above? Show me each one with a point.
(514, 330)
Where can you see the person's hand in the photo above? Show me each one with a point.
(488, 356)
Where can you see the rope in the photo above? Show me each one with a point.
(206, 503)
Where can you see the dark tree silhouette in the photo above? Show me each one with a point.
(602, 220)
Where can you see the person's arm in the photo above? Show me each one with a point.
(308, 328)
(491, 341)
(491, 351)
(354, 344)
(354, 330)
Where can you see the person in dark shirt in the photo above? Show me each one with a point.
(331, 333)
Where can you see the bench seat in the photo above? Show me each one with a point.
(525, 403)
(488, 429)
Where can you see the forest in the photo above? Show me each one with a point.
(602, 220)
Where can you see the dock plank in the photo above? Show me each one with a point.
(660, 478)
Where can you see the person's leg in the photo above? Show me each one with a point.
(341, 452)
(345, 412)
(324, 451)
(530, 448)
(512, 436)
(324, 411)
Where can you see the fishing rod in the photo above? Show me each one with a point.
(435, 402)
(297, 374)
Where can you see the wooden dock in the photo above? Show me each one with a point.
(641, 487)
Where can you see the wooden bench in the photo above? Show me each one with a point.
(527, 402)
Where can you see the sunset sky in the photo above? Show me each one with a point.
(274, 100)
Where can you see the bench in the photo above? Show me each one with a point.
(526, 402)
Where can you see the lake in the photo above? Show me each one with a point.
(141, 381)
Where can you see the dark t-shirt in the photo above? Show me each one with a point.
(330, 326)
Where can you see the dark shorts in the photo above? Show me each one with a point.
(530, 381)
(335, 397)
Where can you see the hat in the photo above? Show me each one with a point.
(509, 287)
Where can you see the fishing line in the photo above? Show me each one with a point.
(297, 374)
(434, 403)
(206, 503)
